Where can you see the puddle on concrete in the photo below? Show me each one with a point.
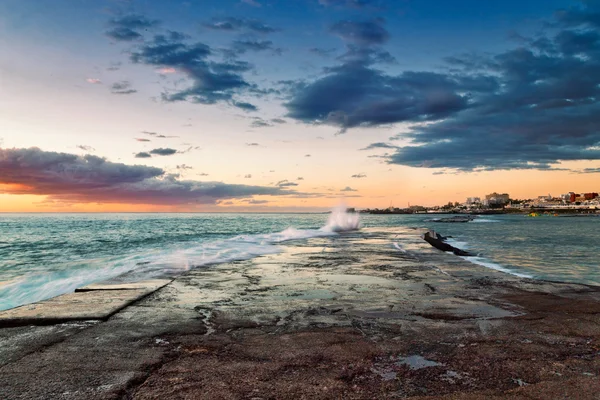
(417, 362)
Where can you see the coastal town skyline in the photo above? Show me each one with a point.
(265, 105)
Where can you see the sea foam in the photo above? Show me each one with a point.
(160, 262)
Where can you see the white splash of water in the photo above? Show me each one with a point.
(342, 221)
(170, 260)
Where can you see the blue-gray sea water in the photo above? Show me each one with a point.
(44, 255)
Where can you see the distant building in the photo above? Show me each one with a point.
(473, 200)
(496, 199)
(573, 197)
(590, 196)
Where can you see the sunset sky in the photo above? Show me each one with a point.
(292, 105)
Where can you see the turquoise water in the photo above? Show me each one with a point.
(44, 255)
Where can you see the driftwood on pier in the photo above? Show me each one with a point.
(437, 241)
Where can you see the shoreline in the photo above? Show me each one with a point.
(350, 316)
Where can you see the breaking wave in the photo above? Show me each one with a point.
(168, 260)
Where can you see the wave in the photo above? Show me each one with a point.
(485, 220)
(492, 265)
(481, 260)
(161, 262)
(342, 221)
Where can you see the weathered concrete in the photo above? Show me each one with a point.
(82, 306)
(150, 285)
(351, 316)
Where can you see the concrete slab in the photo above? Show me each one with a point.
(81, 306)
(153, 284)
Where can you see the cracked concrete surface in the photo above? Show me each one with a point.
(334, 317)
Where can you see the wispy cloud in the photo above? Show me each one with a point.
(84, 147)
(122, 87)
(127, 28)
(231, 24)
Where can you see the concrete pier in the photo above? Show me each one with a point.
(377, 313)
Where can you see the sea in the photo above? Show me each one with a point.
(45, 255)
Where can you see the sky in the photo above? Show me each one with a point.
(294, 105)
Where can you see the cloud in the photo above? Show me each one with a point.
(248, 176)
(183, 167)
(202, 174)
(157, 135)
(299, 178)
(243, 46)
(285, 183)
(230, 24)
(322, 52)
(85, 147)
(94, 81)
(253, 201)
(143, 154)
(379, 145)
(348, 189)
(163, 151)
(544, 108)
(358, 176)
(142, 140)
(362, 33)
(245, 106)
(307, 155)
(211, 81)
(260, 123)
(355, 94)
(252, 144)
(278, 121)
(127, 28)
(91, 179)
(122, 87)
(590, 171)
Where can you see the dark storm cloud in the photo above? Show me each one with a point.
(163, 151)
(128, 27)
(122, 87)
(546, 109)
(530, 107)
(71, 178)
(354, 95)
(362, 33)
(230, 24)
(212, 81)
